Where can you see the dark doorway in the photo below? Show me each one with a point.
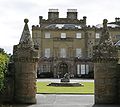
(63, 69)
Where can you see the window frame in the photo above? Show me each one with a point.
(97, 35)
(78, 35)
(47, 35)
(78, 53)
(47, 54)
(63, 36)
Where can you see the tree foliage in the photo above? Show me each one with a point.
(4, 58)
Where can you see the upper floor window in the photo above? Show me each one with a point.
(63, 52)
(63, 35)
(47, 35)
(97, 35)
(47, 52)
(78, 52)
(78, 35)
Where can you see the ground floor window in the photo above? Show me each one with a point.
(82, 69)
(44, 68)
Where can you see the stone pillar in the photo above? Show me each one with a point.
(105, 72)
(25, 60)
(118, 74)
(105, 78)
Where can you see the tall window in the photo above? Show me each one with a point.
(63, 35)
(63, 52)
(78, 52)
(78, 35)
(82, 68)
(97, 35)
(78, 68)
(47, 35)
(47, 52)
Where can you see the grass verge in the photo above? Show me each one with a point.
(88, 88)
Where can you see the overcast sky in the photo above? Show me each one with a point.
(13, 12)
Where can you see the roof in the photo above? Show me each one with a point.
(65, 26)
(109, 25)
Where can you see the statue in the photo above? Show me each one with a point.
(66, 78)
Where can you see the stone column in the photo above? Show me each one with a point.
(25, 60)
(105, 73)
(105, 77)
(118, 75)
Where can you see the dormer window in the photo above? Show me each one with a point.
(63, 35)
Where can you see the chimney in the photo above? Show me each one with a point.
(72, 13)
(40, 19)
(84, 20)
(53, 14)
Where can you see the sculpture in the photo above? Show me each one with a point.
(66, 78)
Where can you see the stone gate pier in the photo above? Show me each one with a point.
(105, 69)
(25, 60)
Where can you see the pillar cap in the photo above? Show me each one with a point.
(26, 21)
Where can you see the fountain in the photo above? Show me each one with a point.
(65, 82)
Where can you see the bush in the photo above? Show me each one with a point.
(3, 67)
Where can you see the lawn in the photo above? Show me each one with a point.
(88, 88)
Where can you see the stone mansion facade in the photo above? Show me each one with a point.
(66, 44)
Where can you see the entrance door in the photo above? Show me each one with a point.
(63, 69)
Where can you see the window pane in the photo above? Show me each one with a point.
(63, 52)
(63, 35)
(78, 35)
(78, 52)
(47, 52)
(82, 69)
(47, 35)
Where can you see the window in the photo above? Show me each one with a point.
(47, 52)
(97, 35)
(63, 52)
(78, 35)
(78, 69)
(78, 52)
(63, 35)
(47, 35)
(82, 68)
(44, 68)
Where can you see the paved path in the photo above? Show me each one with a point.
(61, 100)
(72, 80)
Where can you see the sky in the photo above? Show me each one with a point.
(13, 13)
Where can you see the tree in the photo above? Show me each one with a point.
(4, 58)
